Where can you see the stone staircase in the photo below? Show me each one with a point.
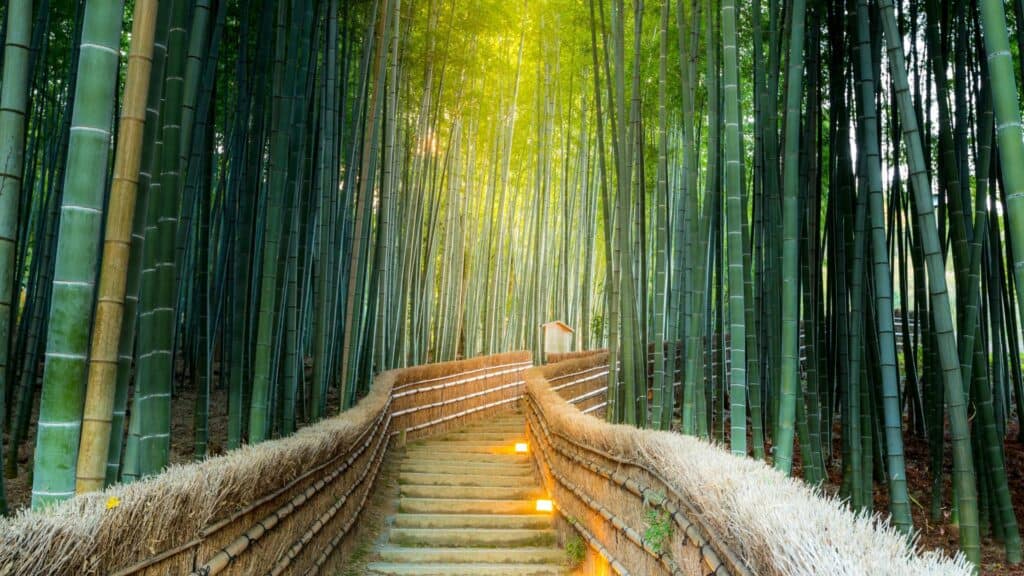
(467, 507)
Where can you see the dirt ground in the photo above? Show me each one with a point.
(942, 535)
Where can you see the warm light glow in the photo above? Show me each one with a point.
(428, 145)
(545, 506)
(522, 447)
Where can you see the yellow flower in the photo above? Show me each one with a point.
(113, 502)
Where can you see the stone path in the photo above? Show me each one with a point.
(468, 507)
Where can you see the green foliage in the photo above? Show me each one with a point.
(659, 528)
(597, 326)
(576, 550)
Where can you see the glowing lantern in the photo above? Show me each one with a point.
(522, 447)
(545, 506)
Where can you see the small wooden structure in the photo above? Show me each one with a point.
(557, 338)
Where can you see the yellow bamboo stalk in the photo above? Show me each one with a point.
(99, 399)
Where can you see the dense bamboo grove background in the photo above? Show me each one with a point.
(259, 205)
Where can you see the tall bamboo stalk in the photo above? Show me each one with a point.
(735, 214)
(13, 107)
(103, 356)
(790, 244)
(963, 466)
(60, 410)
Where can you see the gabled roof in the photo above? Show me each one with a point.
(560, 324)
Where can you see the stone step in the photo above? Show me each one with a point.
(508, 416)
(476, 538)
(471, 521)
(518, 435)
(523, 469)
(522, 492)
(525, 555)
(426, 454)
(502, 432)
(466, 569)
(465, 506)
(467, 446)
(499, 439)
(458, 479)
(468, 508)
(499, 426)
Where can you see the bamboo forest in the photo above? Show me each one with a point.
(282, 283)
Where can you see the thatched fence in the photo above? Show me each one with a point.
(652, 503)
(287, 506)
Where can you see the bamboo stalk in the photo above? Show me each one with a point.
(103, 356)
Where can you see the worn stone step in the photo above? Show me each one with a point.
(431, 453)
(509, 422)
(506, 441)
(518, 435)
(465, 506)
(459, 479)
(523, 492)
(473, 521)
(525, 555)
(468, 508)
(499, 424)
(476, 538)
(467, 446)
(466, 569)
(505, 430)
(524, 469)
(514, 416)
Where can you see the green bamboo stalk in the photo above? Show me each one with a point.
(60, 409)
(13, 107)
(734, 216)
(963, 467)
(328, 194)
(117, 247)
(662, 407)
(899, 500)
(1011, 149)
(260, 416)
(789, 384)
(155, 376)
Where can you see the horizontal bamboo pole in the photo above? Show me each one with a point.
(300, 543)
(325, 555)
(463, 398)
(220, 561)
(397, 392)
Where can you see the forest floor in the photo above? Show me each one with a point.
(942, 534)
